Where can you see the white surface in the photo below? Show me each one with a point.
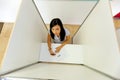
(68, 54)
(9, 10)
(24, 45)
(98, 35)
(59, 72)
(70, 12)
(115, 5)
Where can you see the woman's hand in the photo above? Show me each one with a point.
(63, 44)
(51, 52)
(58, 49)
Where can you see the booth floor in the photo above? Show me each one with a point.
(52, 71)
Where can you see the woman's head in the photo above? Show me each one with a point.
(56, 28)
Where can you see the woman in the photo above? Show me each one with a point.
(58, 34)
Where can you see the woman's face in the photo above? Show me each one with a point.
(56, 30)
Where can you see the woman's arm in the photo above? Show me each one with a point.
(49, 45)
(63, 44)
(66, 41)
(49, 41)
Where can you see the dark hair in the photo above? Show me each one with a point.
(57, 21)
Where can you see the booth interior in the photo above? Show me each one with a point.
(93, 49)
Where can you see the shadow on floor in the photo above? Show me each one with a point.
(1, 26)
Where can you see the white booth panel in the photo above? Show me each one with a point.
(70, 53)
(24, 45)
(98, 36)
(69, 11)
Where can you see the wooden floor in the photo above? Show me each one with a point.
(4, 38)
(117, 23)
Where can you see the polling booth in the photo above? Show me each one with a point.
(94, 47)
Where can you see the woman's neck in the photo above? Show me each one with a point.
(58, 35)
